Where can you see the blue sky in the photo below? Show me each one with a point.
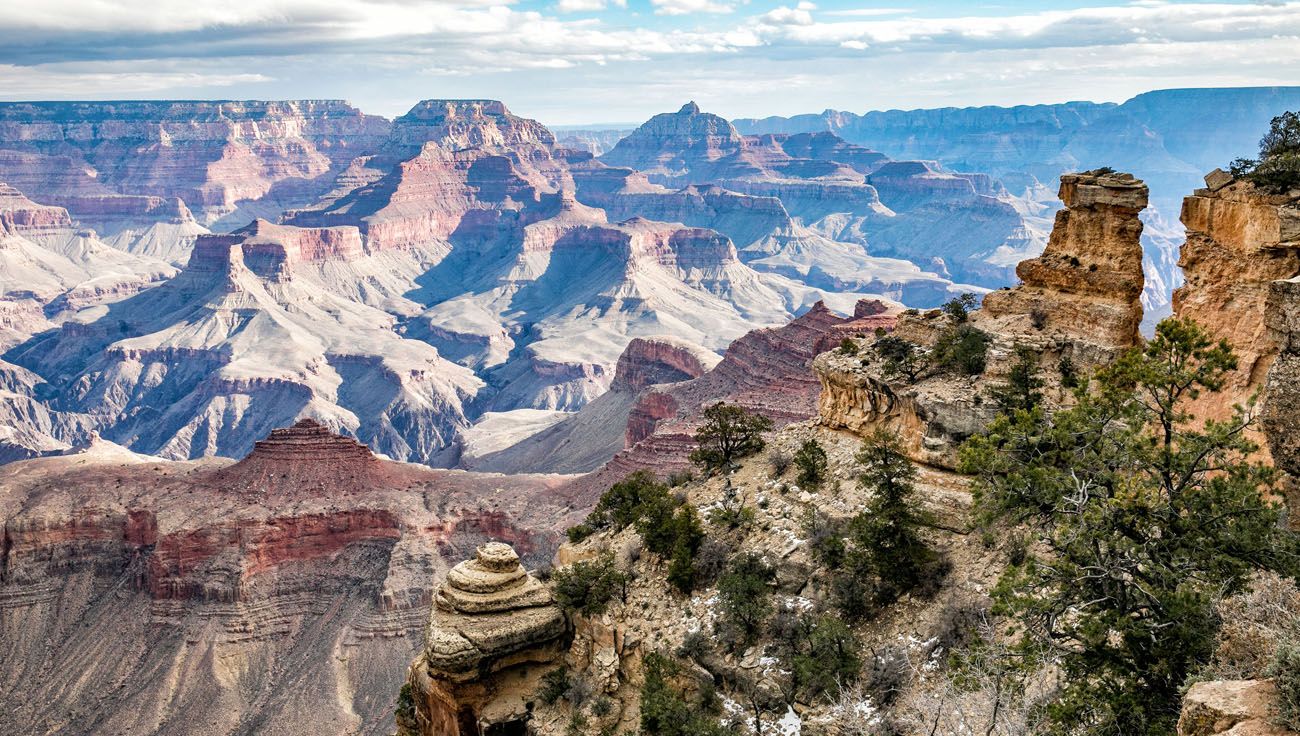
(601, 61)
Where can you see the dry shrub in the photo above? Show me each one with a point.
(1255, 624)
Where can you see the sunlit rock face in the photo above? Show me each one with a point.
(109, 159)
(1081, 300)
(1087, 284)
(493, 629)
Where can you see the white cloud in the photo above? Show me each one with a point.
(687, 7)
(587, 6)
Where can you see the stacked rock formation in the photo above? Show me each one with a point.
(1239, 261)
(1087, 284)
(493, 624)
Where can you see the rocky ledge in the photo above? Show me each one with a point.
(492, 624)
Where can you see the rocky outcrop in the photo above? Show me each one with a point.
(1236, 707)
(207, 606)
(1087, 284)
(766, 371)
(1080, 300)
(650, 360)
(494, 627)
(1242, 248)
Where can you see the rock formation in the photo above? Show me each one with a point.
(766, 371)
(105, 158)
(204, 607)
(493, 629)
(838, 196)
(1087, 284)
(1237, 707)
(1080, 300)
(248, 337)
(1242, 248)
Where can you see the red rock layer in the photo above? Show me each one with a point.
(767, 371)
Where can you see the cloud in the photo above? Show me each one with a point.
(586, 6)
(391, 49)
(687, 7)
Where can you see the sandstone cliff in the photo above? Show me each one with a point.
(493, 629)
(1242, 250)
(1079, 303)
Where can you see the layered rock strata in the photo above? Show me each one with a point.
(1087, 284)
(1080, 300)
(1241, 253)
(493, 629)
(102, 157)
(203, 608)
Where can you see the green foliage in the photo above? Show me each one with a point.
(1278, 167)
(405, 704)
(744, 597)
(824, 658)
(885, 540)
(729, 433)
(902, 358)
(811, 461)
(848, 347)
(665, 711)
(1069, 375)
(623, 505)
(959, 307)
(1285, 671)
(625, 501)
(674, 533)
(732, 517)
(825, 541)
(962, 349)
(553, 686)
(1021, 391)
(588, 586)
(1146, 518)
(579, 532)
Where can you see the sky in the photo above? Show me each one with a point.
(579, 62)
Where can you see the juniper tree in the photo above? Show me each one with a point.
(1143, 517)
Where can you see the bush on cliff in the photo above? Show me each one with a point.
(624, 504)
(811, 461)
(1278, 167)
(1144, 518)
(744, 597)
(588, 586)
(959, 307)
(728, 433)
(665, 708)
(886, 556)
(962, 349)
(1021, 390)
(903, 358)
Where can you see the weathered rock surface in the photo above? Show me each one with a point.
(1242, 246)
(1237, 707)
(1087, 284)
(201, 597)
(250, 336)
(493, 626)
(1079, 300)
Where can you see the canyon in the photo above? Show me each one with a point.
(297, 403)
